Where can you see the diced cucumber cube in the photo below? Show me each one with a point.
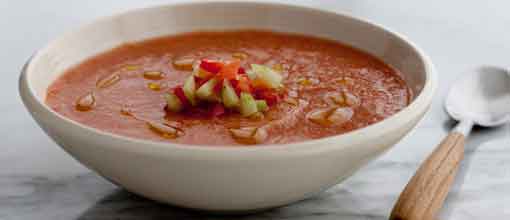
(172, 102)
(268, 76)
(262, 105)
(206, 91)
(189, 89)
(251, 74)
(248, 105)
(229, 96)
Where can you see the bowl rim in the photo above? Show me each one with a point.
(378, 129)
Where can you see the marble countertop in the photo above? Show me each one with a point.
(40, 181)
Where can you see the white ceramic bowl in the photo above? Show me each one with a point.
(221, 178)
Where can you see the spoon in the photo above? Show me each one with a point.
(480, 97)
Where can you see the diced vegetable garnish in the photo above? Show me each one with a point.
(203, 74)
(189, 90)
(206, 91)
(212, 66)
(217, 110)
(179, 92)
(267, 76)
(229, 70)
(243, 84)
(262, 105)
(270, 96)
(173, 103)
(251, 74)
(199, 81)
(241, 70)
(248, 104)
(218, 87)
(229, 96)
(226, 84)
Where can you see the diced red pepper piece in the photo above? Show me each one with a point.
(200, 81)
(179, 92)
(243, 84)
(234, 83)
(229, 70)
(241, 70)
(217, 110)
(271, 97)
(258, 84)
(217, 88)
(212, 66)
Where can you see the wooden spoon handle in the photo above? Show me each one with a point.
(425, 193)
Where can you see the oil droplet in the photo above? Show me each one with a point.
(239, 55)
(305, 82)
(153, 75)
(340, 116)
(131, 67)
(154, 86)
(291, 101)
(244, 133)
(320, 116)
(164, 130)
(345, 81)
(107, 81)
(260, 135)
(85, 103)
(278, 67)
(351, 99)
(183, 63)
(126, 111)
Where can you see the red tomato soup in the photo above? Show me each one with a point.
(230, 88)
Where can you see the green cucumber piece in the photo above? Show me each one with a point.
(262, 105)
(251, 74)
(268, 76)
(248, 105)
(189, 88)
(229, 96)
(172, 102)
(206, 91)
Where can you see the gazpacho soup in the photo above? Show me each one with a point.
(230, 88)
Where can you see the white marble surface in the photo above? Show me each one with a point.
(39, 181)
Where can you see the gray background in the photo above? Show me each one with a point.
(39, 181)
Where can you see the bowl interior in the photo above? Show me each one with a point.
(137, 25)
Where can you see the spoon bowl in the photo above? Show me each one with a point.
(481, 96)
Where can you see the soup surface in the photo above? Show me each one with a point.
(327, 88)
